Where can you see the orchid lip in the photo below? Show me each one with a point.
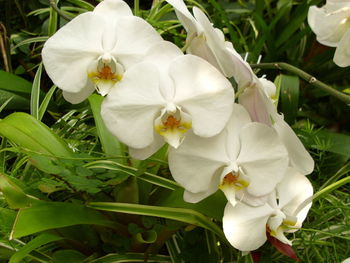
(172, 124)
(105, 73)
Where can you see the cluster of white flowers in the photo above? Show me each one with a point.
(331, 24)
(155, 94)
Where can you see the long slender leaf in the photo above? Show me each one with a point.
(180, 214)
(148, 177)
(32, 245)
(131, 257)
(52, 28)
(111, 146)
(31, 40)
(46, 101)
(34, 99)
(83, 4)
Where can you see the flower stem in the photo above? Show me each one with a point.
(136, 7)
(55, 7)
(307, 77)
(321, 192)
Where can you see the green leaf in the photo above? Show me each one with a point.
(46, 101)
(148, 177)
(146, 237)
(12, 101)
(328, 141)
(289, 96)
(52, 28)
(131, 257)
(30, 40)
(180, 214)
(212, 206)
(14, 84)
(110, 144)
(29, 133)
(14, 195)
(83, 4)
(35, 95)
(32, 245)
(67, 256)
(50, 215)
(7, 217)
(296, 20)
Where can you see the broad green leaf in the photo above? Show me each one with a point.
(110, 144)
(14, 84)
(289, 96)
(13, 101)
(46, 101)
(7, 217)
(131, 257)
(67, 256)
(32, 245)
(29, 133)
(35, 95)
(13, 194)
(50, 215)
(180, 214)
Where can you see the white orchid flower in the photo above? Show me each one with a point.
(258, 99)
(245, 226)
(246, 161)
(331, 24)
(209, 43)
(95, 49)
(160, 99)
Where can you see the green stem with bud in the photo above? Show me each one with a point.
(305, 76)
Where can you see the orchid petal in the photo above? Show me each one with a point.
(229, 61)
(67, 54)
(80, 96)
(263, 158)
(144, 153)
(239, 119)
(161, 54)
(196, 197)
(299, 157)
(342, 53)
(197, 161)
(328, 24)
(184, 16)
(130, 109)
(292, 191)
(202, 92)
(113, 9)
(253, 101)
(199, 47)
(134, 37)
(245, 226)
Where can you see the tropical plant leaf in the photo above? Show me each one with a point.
(50, 215)
(29, 133)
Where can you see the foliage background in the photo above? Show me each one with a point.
(77, 162)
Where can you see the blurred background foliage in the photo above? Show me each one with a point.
(56, 181)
